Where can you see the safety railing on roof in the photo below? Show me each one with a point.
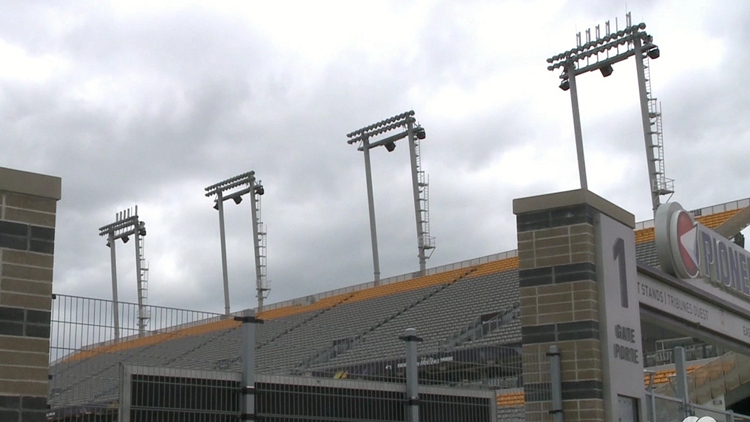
(85, 353)
(701, 212)
(81, 324)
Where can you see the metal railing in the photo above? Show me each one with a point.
(136, 378)
(669, 409)
(85, 354)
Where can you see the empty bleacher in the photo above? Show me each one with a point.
(445, 312)
(341, 322)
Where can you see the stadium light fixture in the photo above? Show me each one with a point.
(225, 190)
(128, 224)
(601, 53)
(414, 132)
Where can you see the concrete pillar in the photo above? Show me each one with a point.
(28, 204)
(560, 300)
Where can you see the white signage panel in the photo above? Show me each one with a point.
(691, 251)
(619, 316)
(673, 301)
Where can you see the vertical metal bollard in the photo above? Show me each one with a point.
(680, 366)
(412, 375)
(247, 404)
(651, 376)
(556, 381)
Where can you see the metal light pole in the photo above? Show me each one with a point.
(420, 186)
(223, 241)
(128, 224)
(600, 54)
(570, 70)
(115, 301)
(371, 209)
(255, 188)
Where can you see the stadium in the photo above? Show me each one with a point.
(467, 313)
(593, 317)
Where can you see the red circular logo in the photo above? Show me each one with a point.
(687, 241)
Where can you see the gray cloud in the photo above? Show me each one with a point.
(148, 107)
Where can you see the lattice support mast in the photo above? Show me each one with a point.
(661, 184)
(259, 244)
(144, 313)
(421, 189)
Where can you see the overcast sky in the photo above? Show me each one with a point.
(146, 103)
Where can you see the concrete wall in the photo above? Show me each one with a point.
(560, 300)
(28, 203)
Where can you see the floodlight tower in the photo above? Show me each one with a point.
(128, 224)
(420, 185)
(255, 189)
(600, 54)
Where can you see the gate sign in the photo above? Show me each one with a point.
(619, 319)
(688, 249)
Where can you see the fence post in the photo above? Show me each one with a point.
(652, 407)
(681, 379)
(247, 404)
(556, 381)
(123, 411)
(412, 375)
(730, 415)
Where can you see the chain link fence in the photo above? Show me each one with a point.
(179, 369)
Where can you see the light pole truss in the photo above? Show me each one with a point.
(600, 53)
(128, 224)
(234, 188)
(410, 129)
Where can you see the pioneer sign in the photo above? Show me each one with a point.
(688, 249)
